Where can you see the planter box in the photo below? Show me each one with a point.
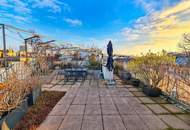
(135, 82)
(12, 118)
(32, 97)
(120, 73)
(151, 92)
(126, 76)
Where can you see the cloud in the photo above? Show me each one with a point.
(22, 10)
(73, 22)
(21, 7)
(15, 10)
(54, 5)
(148, 5)
(17, 18)
(4, 3)
(159, 30)
(130, 34)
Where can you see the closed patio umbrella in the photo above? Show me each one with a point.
(110, 61)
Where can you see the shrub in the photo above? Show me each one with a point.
(148, 67)
(118, 67)
(94, 65)
(13, 93)
(18, 84)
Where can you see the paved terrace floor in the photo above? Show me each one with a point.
(91, 105)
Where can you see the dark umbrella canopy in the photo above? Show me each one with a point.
(109, 64)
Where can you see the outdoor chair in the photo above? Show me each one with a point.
(60, 73)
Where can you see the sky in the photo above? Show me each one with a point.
(134, 26)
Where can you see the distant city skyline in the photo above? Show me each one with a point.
(134, 26)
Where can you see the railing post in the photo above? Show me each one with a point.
(4, 48)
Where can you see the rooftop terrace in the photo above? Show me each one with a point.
(92, 105)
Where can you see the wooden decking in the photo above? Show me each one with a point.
(91, 105)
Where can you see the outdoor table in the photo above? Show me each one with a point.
(75, 73)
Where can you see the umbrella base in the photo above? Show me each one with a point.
(111, 83)
(108, 75)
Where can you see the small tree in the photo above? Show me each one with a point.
(184, 44)
(149, 67)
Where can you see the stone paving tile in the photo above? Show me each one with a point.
(121, 85)
(93, 94)
(103, 90)
(55, 81)
(47, 85)
(76, 110)
(133, 89)
(69, 94)
(59, 110)
(113, 123)
(61, 86)
(93, 91)
(172, 108)
(153, 122)
(174, 122)
(51, 123)
(71, 123)
(109, 110)
(92, 123)
(46, 89)
(146, 100)
(125, 109)
(142, 109)
(120, 92)
(129, 86)
(106, 100)
(61, 89)
(82, 94)
(159, 100)
(119, 100)
(80, 100)
(93, 110)
(184, 117)
(132, 100)
(138, 94)
(65, 101)
(158, 109)
(93, 100)
(133, 122)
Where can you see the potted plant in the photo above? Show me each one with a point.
(151, 91)
(135, 82)
(149, 68)
(126, 76)
(13, 104)
(34, 89)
